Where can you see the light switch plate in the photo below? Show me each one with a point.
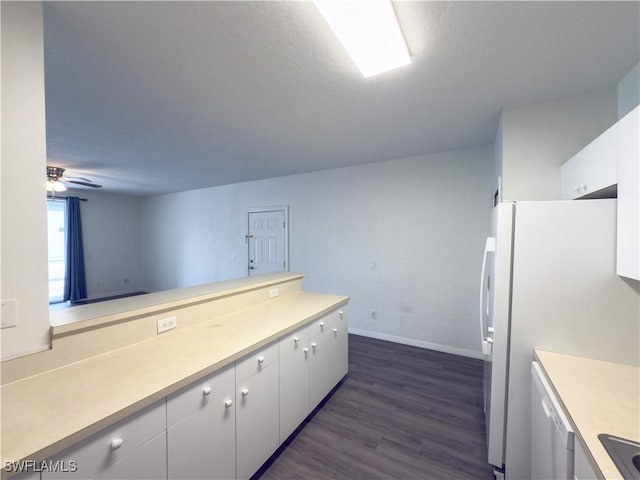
(9, 315)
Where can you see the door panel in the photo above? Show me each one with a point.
(267, 242)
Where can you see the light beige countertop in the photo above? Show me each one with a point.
(600, 397)
(44, 414)
(67, 320)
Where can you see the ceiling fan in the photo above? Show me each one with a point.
(56, 180)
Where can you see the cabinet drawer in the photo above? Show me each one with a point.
(256, 361)
(112, 444)
(327, 323)
(294, 341)
(200, 394)
(149, 462)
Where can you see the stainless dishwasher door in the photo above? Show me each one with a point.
(551, 434)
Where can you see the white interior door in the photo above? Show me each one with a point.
(267, 241)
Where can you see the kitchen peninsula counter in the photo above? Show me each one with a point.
(599, 397)
(45, 413)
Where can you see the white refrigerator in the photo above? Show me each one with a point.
(548, 282)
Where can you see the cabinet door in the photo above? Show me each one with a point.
(329, 362)
(147, 462)
(294, 382)
(591, 169)
(202, 445)
(340, 344)
(257, 420)
(628, 238)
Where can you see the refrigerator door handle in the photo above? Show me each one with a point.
(489, 247)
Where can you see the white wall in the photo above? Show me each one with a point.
(629, 91)
(111, 237)
(422, 220)
(23, 197)
(538, 139)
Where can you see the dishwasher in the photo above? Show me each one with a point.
(552, 437)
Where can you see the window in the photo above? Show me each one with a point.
(56, 248)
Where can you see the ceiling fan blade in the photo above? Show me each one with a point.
(78, 178)
(86, 184)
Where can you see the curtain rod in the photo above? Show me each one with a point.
(50, 197)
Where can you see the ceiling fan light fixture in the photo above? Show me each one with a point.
(55, 186)
(370, 33)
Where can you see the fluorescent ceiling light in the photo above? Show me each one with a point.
(370, 33)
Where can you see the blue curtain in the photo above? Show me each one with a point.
(75, 283)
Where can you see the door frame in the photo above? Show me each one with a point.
(273, 208)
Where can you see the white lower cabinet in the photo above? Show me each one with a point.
(329, 363)
(257, 415)
(135, 439)
(201, 434)
(27, 476)
(582, 469)
(224, 426)
(294, 381)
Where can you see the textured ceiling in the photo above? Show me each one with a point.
(158, 97)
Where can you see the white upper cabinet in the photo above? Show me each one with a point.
(628, 238)
(592, 169)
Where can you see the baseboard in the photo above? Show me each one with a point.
(418, 343)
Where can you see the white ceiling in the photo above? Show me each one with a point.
(158, 97)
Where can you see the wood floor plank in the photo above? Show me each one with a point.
(401, 413)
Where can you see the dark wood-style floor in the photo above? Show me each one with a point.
(401, 413)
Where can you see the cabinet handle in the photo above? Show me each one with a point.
(321, 324)
(335, 330)
(206, 390)
(244, 392)
(228, 403)
(116, 443)
(296, 339)
(314, 345)
(341, 313)
(260, 359)
(305, 349)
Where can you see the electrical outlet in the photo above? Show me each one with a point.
(373, 314)
(273, 293)
(167, 324)
(9, 314)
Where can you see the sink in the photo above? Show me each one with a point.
(624, 453)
